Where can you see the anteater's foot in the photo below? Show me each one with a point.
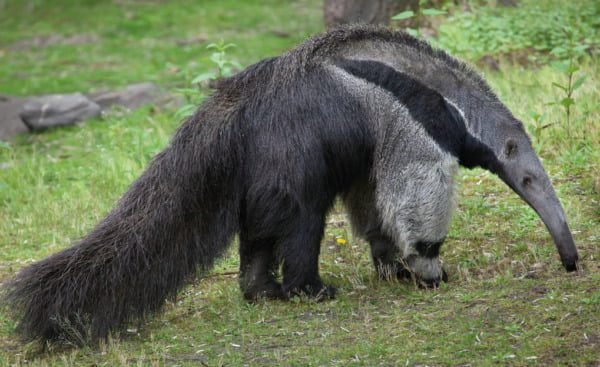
(317, 291)
(398, 270)
(267, 290)
(432, 283)
(427, 272)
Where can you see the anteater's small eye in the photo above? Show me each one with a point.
(526, 181)
(510, 150)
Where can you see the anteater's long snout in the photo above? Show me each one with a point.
(529, 179)
(548, 207)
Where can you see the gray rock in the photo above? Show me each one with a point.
(133, 96)
(18, 115)
(41, 113)
(10, 122)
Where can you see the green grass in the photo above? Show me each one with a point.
(139, 40)
(508, 301)
(529, 31)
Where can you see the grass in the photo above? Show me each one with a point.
(508, 301)
(168, 36)
(537, 27)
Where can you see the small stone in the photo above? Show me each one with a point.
(41, 113)
(133, 96)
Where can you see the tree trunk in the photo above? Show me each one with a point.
(507, 3)
(338, 12)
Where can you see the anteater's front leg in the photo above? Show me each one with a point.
(386, 257)
(423, 264)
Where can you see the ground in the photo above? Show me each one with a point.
(508, 300)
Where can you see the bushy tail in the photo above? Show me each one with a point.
(176, 219)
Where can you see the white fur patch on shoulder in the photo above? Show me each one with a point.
(461, 112)
(414, 177)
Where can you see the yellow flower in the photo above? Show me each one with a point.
(340, 240)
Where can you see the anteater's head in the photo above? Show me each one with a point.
(503, 147)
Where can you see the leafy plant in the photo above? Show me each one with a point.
(569, 69)
(201, 83)
(418, 16)
(533, 27)
(569, 54)
(537, 126)
(225, 65)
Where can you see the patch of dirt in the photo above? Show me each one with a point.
(53, 39)
(200, 38)
(280, 33)
(179, 358)
(589, 342)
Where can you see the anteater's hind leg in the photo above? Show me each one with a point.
(299, 250)
(279, 229)
(257, 268)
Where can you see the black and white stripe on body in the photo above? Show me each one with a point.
(494, 139)
(405, 208)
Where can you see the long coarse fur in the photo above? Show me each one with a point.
(175, 219)
(180, 215)
(265, 156)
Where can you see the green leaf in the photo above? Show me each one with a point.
(404, 15)
(185, 111)
(226, 71)
(186, 90)
(560, 66)
(579, 82)
(567, 102)
(572, 68)
(558, 50)
(537, 117)
(413, 32)
(235, 64)
(559, 86)
(203, 77)
(217, 57)
(5, 145)
(433, 12)
(581, 48)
